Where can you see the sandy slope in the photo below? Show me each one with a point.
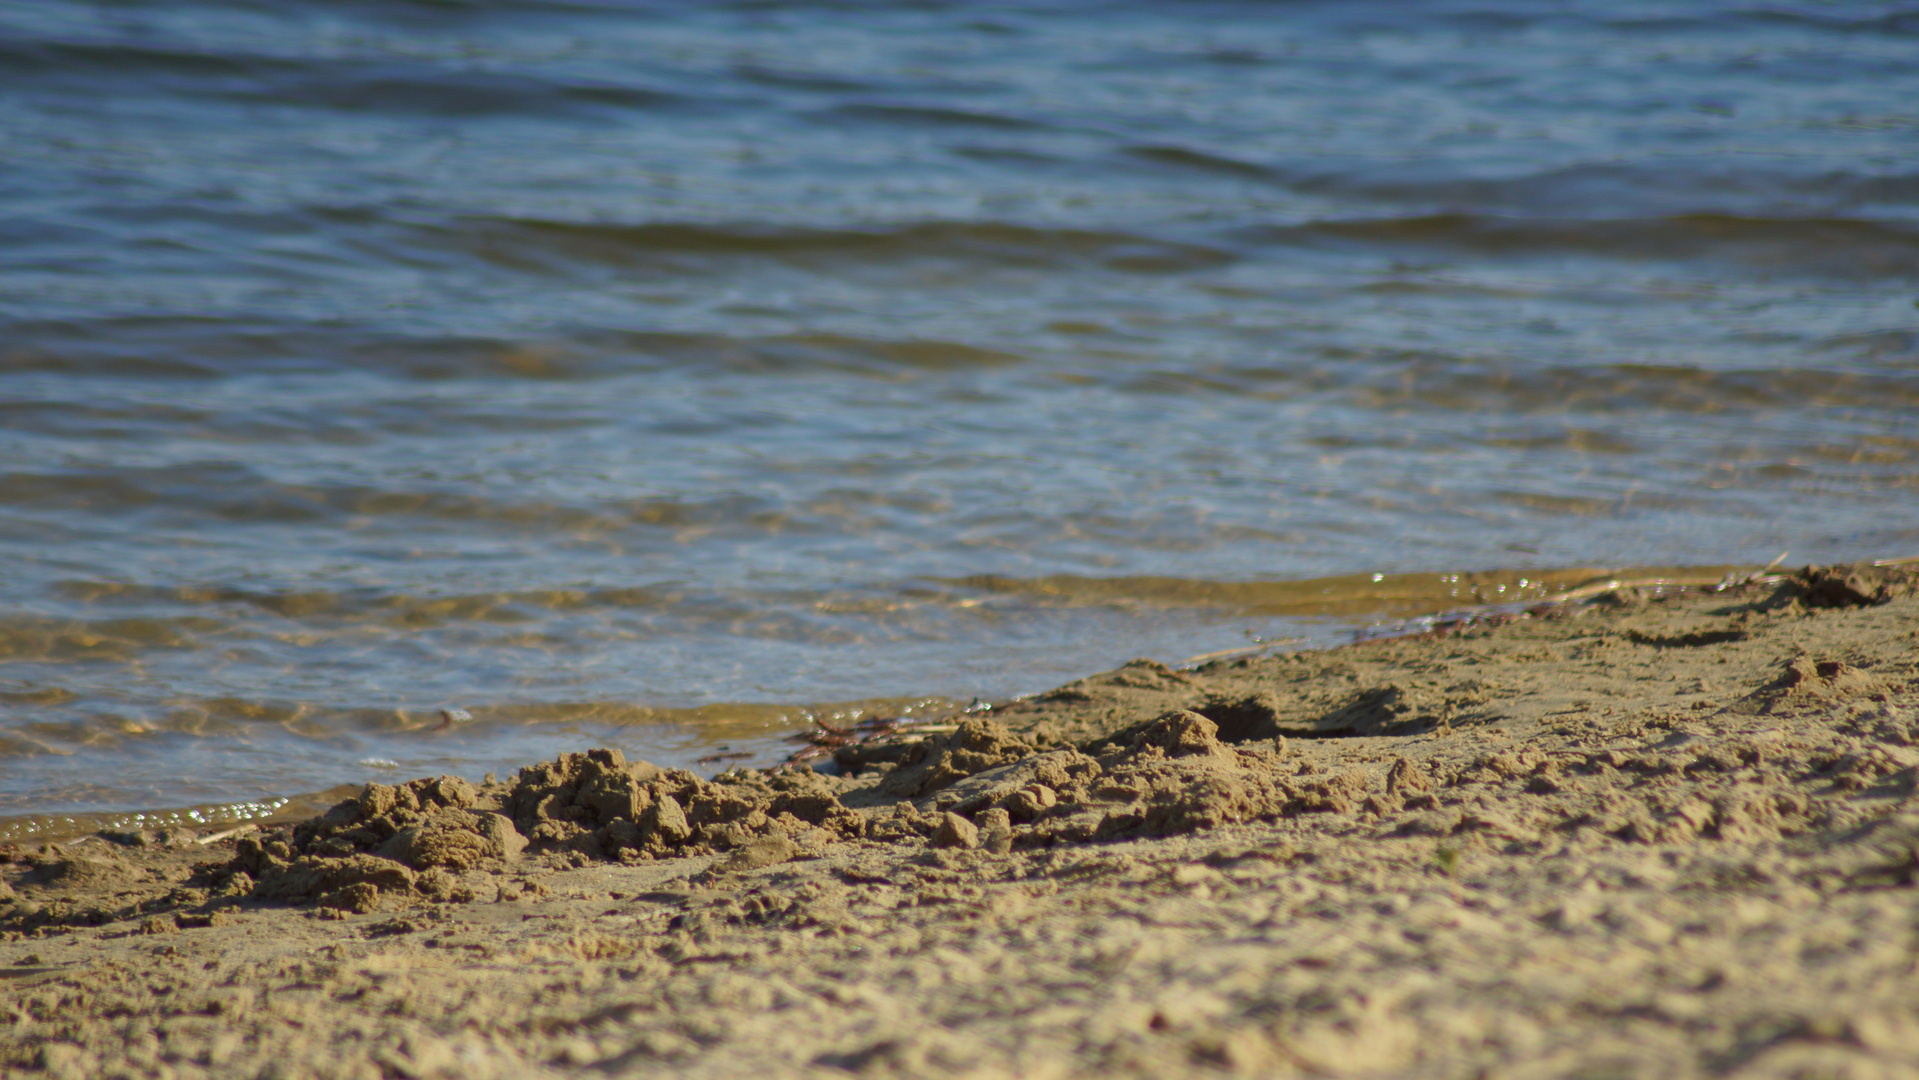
(1638, 837)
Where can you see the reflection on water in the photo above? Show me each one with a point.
(643, 375)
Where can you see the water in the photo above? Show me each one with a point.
(668, 375)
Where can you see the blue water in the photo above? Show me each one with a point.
(667, 375)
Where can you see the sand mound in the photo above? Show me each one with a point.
(415, 841)
(393, 841)
(1860, 585)
(979, 786)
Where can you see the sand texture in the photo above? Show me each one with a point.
(1633, 837)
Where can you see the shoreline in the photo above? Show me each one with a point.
(1406, 603)
(1316, 613)
(1663, 834)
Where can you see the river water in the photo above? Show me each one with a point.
(671, 374)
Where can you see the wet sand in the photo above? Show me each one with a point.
(1639, 835)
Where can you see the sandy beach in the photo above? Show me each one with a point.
(1644, 834)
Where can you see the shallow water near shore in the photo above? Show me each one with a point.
(672, 377)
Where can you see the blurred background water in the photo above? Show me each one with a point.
(670, 375)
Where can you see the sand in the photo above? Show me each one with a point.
(1643, 835)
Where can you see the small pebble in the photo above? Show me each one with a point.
(956, 832)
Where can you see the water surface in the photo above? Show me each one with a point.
(670, 375)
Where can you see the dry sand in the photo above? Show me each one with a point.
(1641, 836)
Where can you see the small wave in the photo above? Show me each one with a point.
(1653, 193)
(43, 638)
(832, 350)
(233, 492)
(454, 93)
(1897, 23)
(523, 241)
(204, 349)
(1183, 158)
(795, 79)
(1391, 380)
(1346, 596)
(386, 87)
(104, 781)
(378, 607)
(1430, 382)
(924, 115)
(1831, 248)
(1657, 190)
(70, 58)
(189, 821)
(1878, 349)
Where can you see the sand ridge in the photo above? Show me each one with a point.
(1644, 835)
